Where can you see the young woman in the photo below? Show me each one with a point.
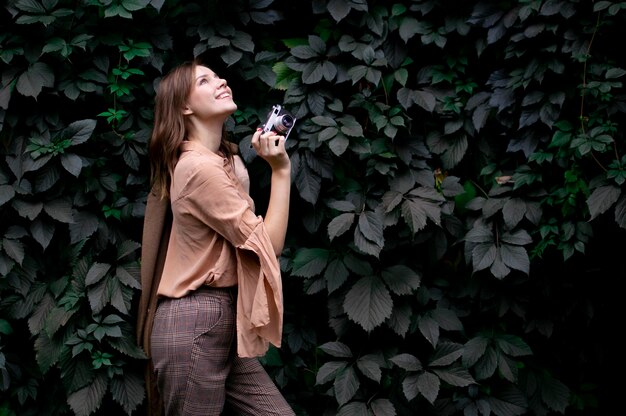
(211, 284)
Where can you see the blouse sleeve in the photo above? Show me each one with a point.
(216, 200)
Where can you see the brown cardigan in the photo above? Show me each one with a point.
(156, 233)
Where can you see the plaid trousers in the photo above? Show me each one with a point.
(193, 347)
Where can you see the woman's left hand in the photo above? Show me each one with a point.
(271, 147)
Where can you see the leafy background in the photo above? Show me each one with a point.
(456, 235)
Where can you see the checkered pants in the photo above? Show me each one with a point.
(195, 360)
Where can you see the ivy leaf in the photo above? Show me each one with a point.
(383, 407)
(309, 262)
(407, 362)
(338, 9)
(401, 317)
(336, 349)
(354, 409)
(555, 394)
(243, 41)
(428, 385)
(483, 256)
(499, 268)
(446, 353)
(96, 272)
(328, 371)
(128, 390)
(87, 400)
(402, 280)
(42, 232)
(346, 385)
(335, 275)
(513, 211)
(515, 257)
(601, 199)
(455, 376)
(409, 387)
(513, 345)
(14, 249)
(620, 211)
(368, 302)
(487, 364)
(27, 209)
(34, 79)
(6, 194)
(84, 225)
(371, 225)
(429, 327)
(364, 245)
(474, 349)
(369, 368)
(60, 210)
(505, 407)
(97, 295)
(308, 184)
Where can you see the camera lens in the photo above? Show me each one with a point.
(285, 122)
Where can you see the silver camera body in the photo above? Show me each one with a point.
(280, 121)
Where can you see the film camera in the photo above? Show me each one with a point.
(279, 121)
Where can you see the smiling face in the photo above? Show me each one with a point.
(210, 96)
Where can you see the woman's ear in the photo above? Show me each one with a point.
(187, 110)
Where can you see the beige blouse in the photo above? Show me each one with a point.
(218, 240)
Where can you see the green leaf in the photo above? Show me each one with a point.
(96, 272)
(5, 327)
(513, 345)
(368, 302)
(309, 262)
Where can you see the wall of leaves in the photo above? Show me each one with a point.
(458, 205)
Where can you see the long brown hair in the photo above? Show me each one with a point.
(169, 129)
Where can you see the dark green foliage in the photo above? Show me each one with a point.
(459, 197)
